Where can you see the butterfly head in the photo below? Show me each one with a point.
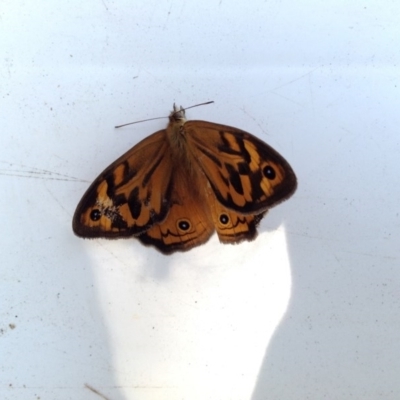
(178, 115)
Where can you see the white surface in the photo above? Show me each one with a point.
(310, 310)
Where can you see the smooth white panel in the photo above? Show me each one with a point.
(310, 310)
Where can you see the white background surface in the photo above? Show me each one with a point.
(310, 310)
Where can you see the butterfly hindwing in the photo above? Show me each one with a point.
(232, 227)
(189, 222)
(194, 216)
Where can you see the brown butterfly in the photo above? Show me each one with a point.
(178, 185)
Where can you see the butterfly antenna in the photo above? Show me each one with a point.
(201, 104)
(142, 120)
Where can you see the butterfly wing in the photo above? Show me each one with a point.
(129, 196)
(231, 226)
(246, 175)
(189, 222)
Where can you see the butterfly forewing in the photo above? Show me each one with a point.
(246, 174)
(131, 195)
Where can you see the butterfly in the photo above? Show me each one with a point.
(177, 186)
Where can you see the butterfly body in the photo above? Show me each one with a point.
(179, 185)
